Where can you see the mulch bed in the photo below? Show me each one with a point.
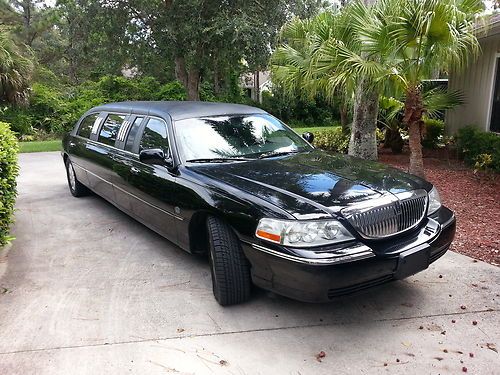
(474, 198)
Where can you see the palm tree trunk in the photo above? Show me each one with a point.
(413, 112)
(344, 116)
(363, 143)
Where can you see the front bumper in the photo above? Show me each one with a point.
(319, 277)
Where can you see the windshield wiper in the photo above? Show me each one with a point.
(276, 153)
(216, 160)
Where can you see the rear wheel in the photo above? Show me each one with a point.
(231, 282)
(76, 188)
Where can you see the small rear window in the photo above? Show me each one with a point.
(134, 129)
(86, 125)
(110, 129)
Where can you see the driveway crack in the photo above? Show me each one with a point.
(256, 330)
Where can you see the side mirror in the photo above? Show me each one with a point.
(152, 156)
(308, 136)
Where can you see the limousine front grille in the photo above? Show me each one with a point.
(391, 217)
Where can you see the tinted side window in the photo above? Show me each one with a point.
(110, 129)
(86, 125)
(134, 129)
(155, 135)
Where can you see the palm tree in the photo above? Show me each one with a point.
(16, 69)
(422, 37)
(307, 62)
(390, 47)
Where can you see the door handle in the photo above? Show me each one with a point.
(134, 170)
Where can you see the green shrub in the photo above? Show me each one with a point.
(434, 132)
(171, 91)
(332, 140)
(473, 142)
(8, 173)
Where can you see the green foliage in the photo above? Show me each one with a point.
(8, 173)
(332, 140)
(299, 110)
(171, 91)
(434, 133)
(473, 142)
(16, 68)
(53, 110)
(483, 162)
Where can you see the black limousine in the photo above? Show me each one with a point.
(235, 183)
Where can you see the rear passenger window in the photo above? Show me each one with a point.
(134, 129)
(155, 135)
(110, 129)
(86, 125)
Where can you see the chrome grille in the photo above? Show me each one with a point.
(388, 215)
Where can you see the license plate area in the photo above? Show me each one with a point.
(413, 261)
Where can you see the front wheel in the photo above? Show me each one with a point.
(231, 282)
(76, 188)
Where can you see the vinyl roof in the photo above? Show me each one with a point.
(179, 110)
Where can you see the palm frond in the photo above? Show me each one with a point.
(439, 99)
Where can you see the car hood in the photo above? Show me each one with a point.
(312, 183)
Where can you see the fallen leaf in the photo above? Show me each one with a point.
(320, 355)
(491, 347)
(179, 330)
(439, 358)
(223, 362)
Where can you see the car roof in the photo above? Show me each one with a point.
(178, 110)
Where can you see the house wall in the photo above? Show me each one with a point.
(477, 84)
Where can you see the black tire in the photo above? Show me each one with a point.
(231, 281)
(76, 188)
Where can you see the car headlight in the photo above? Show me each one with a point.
(434, 201)
(296, 233)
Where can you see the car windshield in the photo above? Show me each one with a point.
(235, 137)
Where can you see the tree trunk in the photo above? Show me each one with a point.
(344, 118)
(193, 86)
(190, 79)
(217, 85)
(256, 86)
(180, 71)
(413, 111)
(363, 143)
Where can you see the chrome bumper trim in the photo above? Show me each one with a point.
(347, 255)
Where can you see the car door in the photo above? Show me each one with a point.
(150, 188)
(78, 146)
(101, 151)
(127, 145)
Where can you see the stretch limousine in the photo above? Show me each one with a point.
(268, 208)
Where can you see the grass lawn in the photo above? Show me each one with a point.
(40, 146)
(313, 129)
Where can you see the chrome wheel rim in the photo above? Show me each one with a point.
(71, 177)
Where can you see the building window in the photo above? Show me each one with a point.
(495, 109)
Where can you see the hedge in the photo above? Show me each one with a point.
(8, 173)
(474, 144)
(332, 140)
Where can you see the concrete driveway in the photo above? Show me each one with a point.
(87, 290)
